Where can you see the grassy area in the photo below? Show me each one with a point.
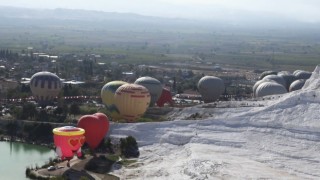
(113, 157)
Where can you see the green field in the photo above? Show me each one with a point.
(279, 49)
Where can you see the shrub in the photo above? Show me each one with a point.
(109, 146)
(28, 170)
(129, 147)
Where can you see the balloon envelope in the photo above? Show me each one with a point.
(45, 86)
(303, 75)
(165, 98)
(266, 73)
(256, 85)
(210, 88)
(297, 84)
(108, 91)
(154, 87)
(297, 71)
(107, 96)
(96, 127)
(132, 100)
(288, 78)
(68, 140)
(276, 78)
(270, 88)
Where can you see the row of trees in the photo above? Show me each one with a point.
(24, 91)
(58, 114)
(30, 132)
(8, 54)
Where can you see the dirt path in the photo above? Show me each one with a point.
(75, 171)
(63, 168)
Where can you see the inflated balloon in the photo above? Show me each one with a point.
(45, 86)
(96, 127)
(297, 84)
(270, 88)
(107, 96)
(283, 73)
(276, 78)
(210, 88)
(103, 117)
(303, 75)
(256, 85)
(289, 78)
(132, 100)
(266, 73)
(154, 87)
(165, 98)
(68, 140)
(297, 71)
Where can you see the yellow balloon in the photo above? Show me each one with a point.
(108, 91)
(107, 96)
(132, 101)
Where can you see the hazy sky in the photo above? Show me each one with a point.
(304, 10)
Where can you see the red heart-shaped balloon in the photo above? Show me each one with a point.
(96, 127)
(73, 142)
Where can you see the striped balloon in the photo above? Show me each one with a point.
(45, 86)
(132, 100)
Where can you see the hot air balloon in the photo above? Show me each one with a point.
(297, 84)
(107, 96)
(45, 86)
(154, 87)
(96, 127)
(210, 88)
(255, 86)
(165, 98)
(303, 75)
(276, 78)
(68, 140)
(283, 73)
(270, 88)
(297, 71)
(132, 100)
(288, 78)
(266, 73)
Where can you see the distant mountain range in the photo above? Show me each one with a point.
(81, 15)
(11, 15)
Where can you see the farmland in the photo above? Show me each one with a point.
(144, 41)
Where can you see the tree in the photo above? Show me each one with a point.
(174, 86)
(41, 132)
(16, 111)
(29, 111)
(109, 146)
(58, 111)
(179, 89)
(12, 128)
(43, 115)
(74, 109)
